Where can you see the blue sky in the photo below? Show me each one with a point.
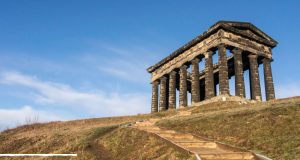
(62, 60)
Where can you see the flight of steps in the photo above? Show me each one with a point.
(202, 148)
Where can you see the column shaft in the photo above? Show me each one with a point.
(183, 87)
(163, 94)
(154, 104)
(254, 78)
(195, 81)
(223, 70)
(239, 73)
(209, 75)
(269, 85)
(172, 90)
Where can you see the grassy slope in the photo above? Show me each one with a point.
(140, 145)
(270, 128)
(85, 137)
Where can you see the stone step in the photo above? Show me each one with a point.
(228, 156)
(141, 124)
(177, 135)
(187, 140)
(165, 132)
(149, 127)
(207, 150)
(153, 120)
(205, 144)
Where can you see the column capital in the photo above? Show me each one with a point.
(267, 59)
(163, 78)
(252, 56)
(237, 51)
(195, 60)
(208, 53)
(184, 67)
(155, 82)
(222, 45)
(172, 72)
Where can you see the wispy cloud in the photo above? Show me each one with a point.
(13, 117)
(99, 103)
(128, 64)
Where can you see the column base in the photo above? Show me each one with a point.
(225, 98)
(182, 107)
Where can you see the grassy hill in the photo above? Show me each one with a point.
(270, 128)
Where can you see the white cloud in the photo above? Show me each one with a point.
(122, 63)
(10, 118)
(97, 103)
(287, 90)
(127, 70)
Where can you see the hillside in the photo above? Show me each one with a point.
(270, 128)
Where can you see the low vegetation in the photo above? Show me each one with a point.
(271, 128)
(87, 139)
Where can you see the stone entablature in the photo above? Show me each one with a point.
(249, 46)
(221, 37)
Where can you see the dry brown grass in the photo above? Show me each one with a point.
(271, 128)
(79, 136)
(140, 145)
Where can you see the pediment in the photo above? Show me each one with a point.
(245, 29)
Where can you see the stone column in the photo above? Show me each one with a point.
(183, 87)
(254, 78)
(172, 90)
(209, 75)
(195, 81)
(223, 70)
(154, 104)
(163, 94)
(269, 85)
(239, 73)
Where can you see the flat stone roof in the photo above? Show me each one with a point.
(240, 28)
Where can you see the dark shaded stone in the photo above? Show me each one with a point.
(269, 84)
(254, 78)
(154, 104)
(172, 90)
(209, 75)
(239, 73)
(223, 70)
(195, 81)
(183, 86)
(163, 94)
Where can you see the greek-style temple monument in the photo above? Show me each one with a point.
(249, 47)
